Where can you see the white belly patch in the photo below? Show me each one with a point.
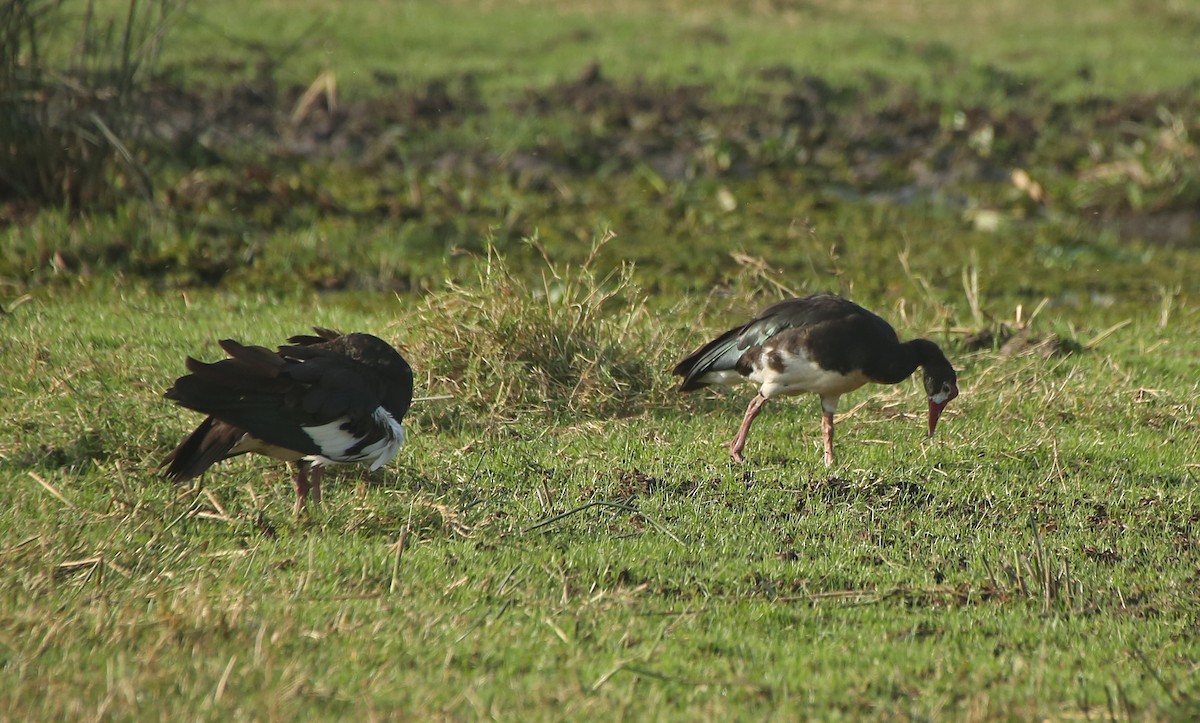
(779, 372)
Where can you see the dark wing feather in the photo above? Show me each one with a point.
(838, 334)
(719, 354)
(723, 353)
(323, 335)
(390, 375)
(806, 312)
(268, 406)
(260, 359)
(210, 443)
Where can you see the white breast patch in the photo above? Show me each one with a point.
(336, 442)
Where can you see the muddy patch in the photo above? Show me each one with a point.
(260, 156)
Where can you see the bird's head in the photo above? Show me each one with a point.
(941, 385)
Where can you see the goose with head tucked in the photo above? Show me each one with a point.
(331, 398)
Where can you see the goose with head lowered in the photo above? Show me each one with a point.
(331, 398)
(823, 344)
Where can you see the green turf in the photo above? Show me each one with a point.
(1038, 558)
(563, 537)
(1076, 47)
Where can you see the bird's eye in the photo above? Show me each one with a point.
(946, 388)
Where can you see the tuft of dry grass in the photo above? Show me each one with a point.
(576, 340)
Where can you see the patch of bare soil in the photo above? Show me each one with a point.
(1008, 341)
(266, 152)
(878, 142)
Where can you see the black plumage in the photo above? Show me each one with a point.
(328, 398)
(823, 344)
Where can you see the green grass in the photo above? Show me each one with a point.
(563, 537)
(1038, 558)
(1120, 46)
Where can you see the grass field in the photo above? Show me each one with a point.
(563, 537)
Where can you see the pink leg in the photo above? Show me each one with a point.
(827, 432)
(739, 441)
(315, 481)
(302, 485)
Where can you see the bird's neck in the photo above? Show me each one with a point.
(896, 367)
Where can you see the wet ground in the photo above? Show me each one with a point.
(443, 168)
(1131, 161)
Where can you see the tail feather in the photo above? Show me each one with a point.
(261, 412)
(250, 370)
(251, 359)
(249, 393)
(210, 443)
(211, 396)
(322, 335)
(719, 355)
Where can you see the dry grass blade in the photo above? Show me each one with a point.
(20, 545)
(970, 282)
(224, 681)
(622, 506)
(12, 306)
(82, 562)
(1095, 341)
(324, 86)
(398, 557)
(50, 488)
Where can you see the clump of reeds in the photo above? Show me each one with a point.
(72, 97)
